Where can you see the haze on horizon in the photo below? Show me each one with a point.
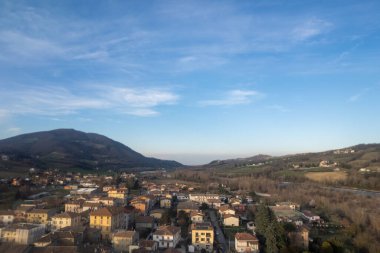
(194, 81)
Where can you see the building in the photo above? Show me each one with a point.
(167, 236)
(245, 242)
(310, 217)
(121, 194)
(144, 222)
(231, 220)
(107, 219)
(202, 236)
(223, 210)
(148, 245)
(7, 217)
(300, 237)
(203, 198)
(140, 205)
(66, 219)
(123, 239)
(187, 207)
(74, 206)
(290, 205)
(157, 213)
(40, 216)
(165, 203)
(22, 233)
(196, 217)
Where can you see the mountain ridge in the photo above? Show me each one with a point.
(65, 148)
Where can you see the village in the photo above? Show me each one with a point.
(130, 213)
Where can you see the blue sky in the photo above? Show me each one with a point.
(194, 80)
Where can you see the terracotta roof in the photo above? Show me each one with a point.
(144, 219)
(196, 213)
(147, 243)
(245, 237)
(124, 233)
(40, 211)
(167, 230)
(107, 211)
(67, 215)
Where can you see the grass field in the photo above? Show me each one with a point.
(326, 176)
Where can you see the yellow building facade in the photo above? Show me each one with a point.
(202, 236)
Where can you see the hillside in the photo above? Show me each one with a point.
(68, 148)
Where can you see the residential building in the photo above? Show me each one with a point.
(121, 194)
(231, 220)
(300, 237)
(202, 236)
(165, 203)
(148, 245)
(223, 210)
(157, 213)
(196, 216)
(167, 236)
(7, 217)
(140, 205)
(108, 219)
(144, 222)
(74, 206)
(22, 233)
(245, 242)
(65, 219)
(310, 217)
(40, 216)
(122, 239)
(203, 198)
(187, 207)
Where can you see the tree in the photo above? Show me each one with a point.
(326, 247)
(271, 240)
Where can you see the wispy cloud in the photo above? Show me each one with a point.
(310, 28)
(356, 97)
(14, 130)
(54, 101)
(233, 97)
(279, 108)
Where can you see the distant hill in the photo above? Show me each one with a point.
(355, 157)
(68, 148)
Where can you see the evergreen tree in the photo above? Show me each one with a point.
(271, 240)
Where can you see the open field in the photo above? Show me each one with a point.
(326, 176)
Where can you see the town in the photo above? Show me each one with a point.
(125, 212)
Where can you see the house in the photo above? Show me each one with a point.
(231, 220)
(202, 236)
(144, 222)
(165, 203)
(196, 216)
(140, 205)
(107, 219)
(121, 240)
(235, 201)
(290, 205)
(157, 213)
(300, 237)
(7, 217)
(109, 201)
(182, 197)
(66, 219)
(214, 203)
(223, 210)
(167, 236)
(89, 206)
(245, 242)
(310, 217)
(22, 233)
(39, 216)
(148, 245)
(187, 207)
(120, 194)
(74, 206)
(203, 198)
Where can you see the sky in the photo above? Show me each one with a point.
(194, 81)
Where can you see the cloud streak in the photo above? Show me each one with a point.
(233, 97)
(53, 101)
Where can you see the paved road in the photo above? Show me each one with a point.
(218, 231)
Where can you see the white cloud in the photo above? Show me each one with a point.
(14, 130)
(233, 97)
(357, 96)
(54, 101)
(310, 28)
(279, 108)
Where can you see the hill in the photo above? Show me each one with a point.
(67, 148)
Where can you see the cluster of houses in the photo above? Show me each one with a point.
(112, 218)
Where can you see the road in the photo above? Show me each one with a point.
(218, 231)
